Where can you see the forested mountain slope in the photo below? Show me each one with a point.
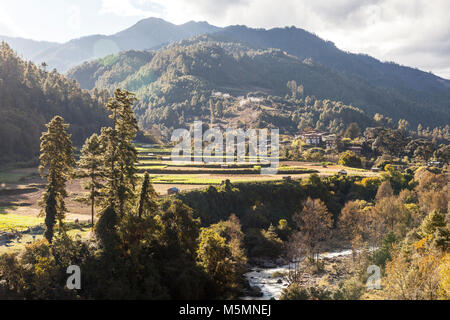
(30, 97)
(184, 75)
(410, 84)
(304, 44)
(378, 87)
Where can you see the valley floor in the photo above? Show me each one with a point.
(21, 190)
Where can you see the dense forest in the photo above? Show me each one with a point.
(30, 96)
(181, 78)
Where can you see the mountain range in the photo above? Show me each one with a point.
(156, 55)
(146, 34)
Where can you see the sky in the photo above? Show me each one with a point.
(414, 32)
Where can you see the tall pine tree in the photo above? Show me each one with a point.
(90, 166)
(147, 201)
(120, 153)
(56, 165)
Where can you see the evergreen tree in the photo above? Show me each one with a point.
(56, 165)
(148, 196)
(353, 131)
(106, 230)
(120, 152)
(90, 166)
(50, 215)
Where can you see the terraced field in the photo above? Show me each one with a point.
(157, 162)
(21, 189)
(15, 222)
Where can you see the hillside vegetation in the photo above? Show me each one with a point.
(30, 96)
(175, 83)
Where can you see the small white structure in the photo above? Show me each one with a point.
(219, 94)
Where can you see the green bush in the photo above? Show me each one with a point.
(350, 159)
(298, 292)
(350, 289)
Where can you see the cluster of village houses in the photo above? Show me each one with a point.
(318, 138)
(314, 138)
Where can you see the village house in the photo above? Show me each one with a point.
(312, 137)
(330, 141)
(355, 149)
(315, 138)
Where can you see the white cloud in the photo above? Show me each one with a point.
(387, 29)
(9, 27)
(410, 32)
(74, 18)
(137, 8)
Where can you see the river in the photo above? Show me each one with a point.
(271, 287)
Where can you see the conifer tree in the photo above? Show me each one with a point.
(106, 230)
(90, 166)
(56, 165)
(120, 154)
(50, 215)
(148, 196)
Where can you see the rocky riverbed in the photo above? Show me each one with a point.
(267, 282)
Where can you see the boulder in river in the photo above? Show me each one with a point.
(255, 292)
(268, 264)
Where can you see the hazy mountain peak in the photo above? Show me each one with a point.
(148, 23)
(145, 34)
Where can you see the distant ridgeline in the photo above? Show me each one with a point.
(176, 83)
(30, 96)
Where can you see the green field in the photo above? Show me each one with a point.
(18, 244)
(160, 150)
(14, 222)
(14, 176)
(193, 179)
(152, 167)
